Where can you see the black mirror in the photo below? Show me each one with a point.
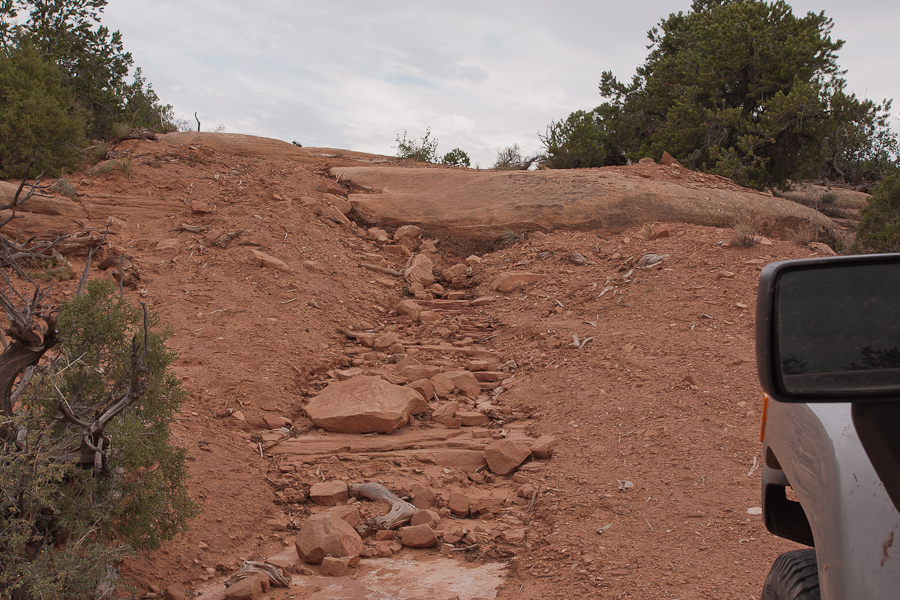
(828, 330)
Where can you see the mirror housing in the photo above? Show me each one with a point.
(828, 329)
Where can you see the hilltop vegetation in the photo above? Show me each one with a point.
(63, 81)
(739, 88)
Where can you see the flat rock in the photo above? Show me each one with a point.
(327, 534)
(418, 536)
(511, 280)
(363, 404)
(248, 588)
(482, 203)
(329, 493)
(269, 261)
(505, 456)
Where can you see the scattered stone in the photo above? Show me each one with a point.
(408, 232)
(505, 456)
(248, 588)
(350, 514)
(420, 270)
(525, 491)
(417, 372)
(329, 493)
(175, 591)
(418, 536)
(329, 186)
(385, 341)
(473, 261)
(364, 404)
(459, 505)
(516, 536)
(335, 567)
(512, 280)
(478, 365)
(482, 300)
(428, 517)
(397, 250)
(339, 203)
(822, 248)
(267, 260)
(472, 418)
(542, 448)
(465, 382)
(377, 235)
(669, 160)
(446, 411)
(457, 270)
(326, 534)
(167, 246)
(333, 213)
(198, 207)
(424, 387)
(430, 316)
(443, 385)
(422, 498)
(385, 535)
(662, 232)
(276, 421)
(409, 308)
(724, 275)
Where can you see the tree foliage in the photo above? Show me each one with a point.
(456, 158)
(740, 88)
(40, 124)
(63, 519)
(425, 150)
(91, 66)
(879, 225)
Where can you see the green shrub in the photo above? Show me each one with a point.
(422, 151)
(879, 225)
(456, 158)
(64, 187)
(63, 521)
(39, 122)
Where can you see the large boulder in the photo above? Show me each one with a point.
(363, 404)
(326, 534)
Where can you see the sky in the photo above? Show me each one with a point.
(356, 74)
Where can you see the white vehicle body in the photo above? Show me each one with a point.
(846, 515)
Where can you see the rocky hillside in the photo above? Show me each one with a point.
(574, 410)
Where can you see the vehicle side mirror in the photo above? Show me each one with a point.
(828, 329)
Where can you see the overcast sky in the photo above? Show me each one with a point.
(354, 74)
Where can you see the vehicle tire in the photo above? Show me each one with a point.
(794, 576)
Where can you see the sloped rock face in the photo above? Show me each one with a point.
(481, 204)
(363, 404)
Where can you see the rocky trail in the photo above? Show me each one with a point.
(571, 412)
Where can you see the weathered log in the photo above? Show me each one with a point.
(401, 511)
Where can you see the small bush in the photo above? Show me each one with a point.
(64, 187)
(829, 198)
(99, 151)
(509, 237)
(879, 225)
(62, 523)
(509, 159)
(746, 233)
(296, 143)
(422, 151)
(456, 158)
(805, 233)
(126, 165)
